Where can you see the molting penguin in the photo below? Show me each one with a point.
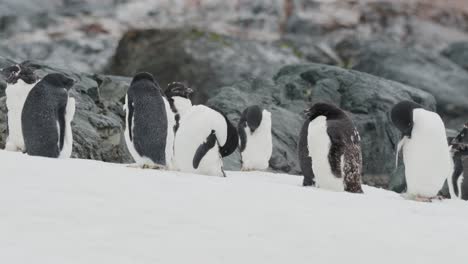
(47, 116)
(458, 187)
(256, 145)
(20, 80)
(425, 150)
(149, 123)
(333, 145)
(204, 137)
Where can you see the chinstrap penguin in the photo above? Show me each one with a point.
(46, 117)
(204, 137)
(426, 154)
(255, 142)
(149, 131)
(20, 80)
(333, 145)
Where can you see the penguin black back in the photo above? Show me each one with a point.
(44, 108)
(251, 117)
(147, 118)
(402, 116)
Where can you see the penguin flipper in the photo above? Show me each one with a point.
(242, 135)
(203, 149)
(62, 124)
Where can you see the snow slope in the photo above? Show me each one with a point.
(80, 211)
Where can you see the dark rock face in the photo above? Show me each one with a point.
(445, 80)
(98, 121)
(366, 98)
(458, 53)
(206, 61)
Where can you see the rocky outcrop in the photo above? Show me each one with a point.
(97, 126)
(366, 98)
(437, 75)
(458, 53)
(205, 60)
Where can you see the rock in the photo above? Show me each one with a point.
(458, 53)
(98, 123)
(366, 98)
(205, 60)
(437, 75)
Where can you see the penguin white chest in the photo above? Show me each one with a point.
(259, 147)
(318, 142)
(15, 97)
(426, 155)
(195, 126)
(170, 134)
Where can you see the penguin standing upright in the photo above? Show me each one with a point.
(46, 117)
(204, 137)
(149, 123)
(256, 145)
(458, 187)
(426, 153)
(20, 80)
(333, 145)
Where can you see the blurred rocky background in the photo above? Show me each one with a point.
(363, 55)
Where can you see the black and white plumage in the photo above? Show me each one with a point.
(425, 150)
(20, 80)
(204, 137)
(332, 143)
(458, 187)
(255, 141)
(149, 123)
(178, 96)
(46, 117)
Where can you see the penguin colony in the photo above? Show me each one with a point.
(163, 130)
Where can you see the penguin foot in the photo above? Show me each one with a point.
(424, 199)
(147, 166)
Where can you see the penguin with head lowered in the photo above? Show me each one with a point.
(204, 137)
(46, 117)
(255, 144)
(425, 150)
(332, 143)
(20, 80)
(458, 187)
(149, 131)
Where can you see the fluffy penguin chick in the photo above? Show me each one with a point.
(204, 137)
(20, 80)
(333, 145)
(255, 138)
(46, 118)
(425, 150)
(149, 126)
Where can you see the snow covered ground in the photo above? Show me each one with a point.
(81, 211)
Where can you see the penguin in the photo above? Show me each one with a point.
(46, 117)
(149, 122)
(20, 80)
(426, 154)
(333, 146)
(178, 96)
(458, 187)
(204, 137)
(255, 142)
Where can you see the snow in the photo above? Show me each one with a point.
(82, 211)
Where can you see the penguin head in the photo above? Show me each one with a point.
(324, 109)
(462, 137)
(11, 73)
(59, 80)
(143, 76)
(232, 139)
(178, 89)
(402, 116)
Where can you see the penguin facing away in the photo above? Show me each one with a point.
(149, 123)
(425, 150)
(46, 117)
(204, 137)
(20, 80)
(458, 187)
(255, 141)
(333, 145)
